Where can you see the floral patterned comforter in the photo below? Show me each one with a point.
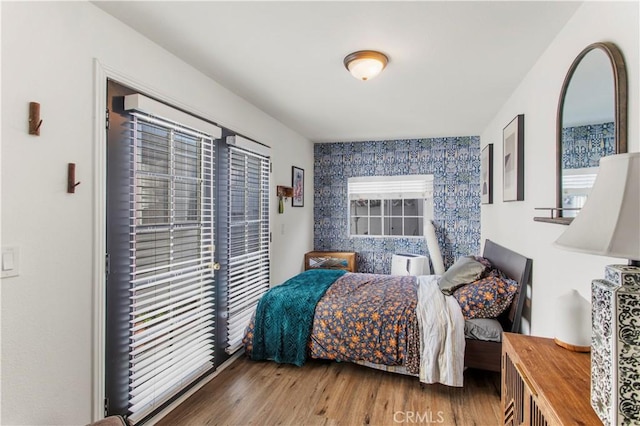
(368, 317)
(365, 317)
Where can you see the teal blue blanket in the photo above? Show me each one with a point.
(284, 316)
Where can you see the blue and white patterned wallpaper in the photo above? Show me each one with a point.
(583, 146)
(455, 165)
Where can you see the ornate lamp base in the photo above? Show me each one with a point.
(615, 345)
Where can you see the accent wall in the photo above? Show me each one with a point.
(455, 165)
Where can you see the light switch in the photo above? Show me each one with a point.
(7, 261)
(10, 262)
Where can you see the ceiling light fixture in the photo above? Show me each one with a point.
(365, 64)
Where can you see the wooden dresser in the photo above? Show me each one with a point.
(544, 384)
(331, 260)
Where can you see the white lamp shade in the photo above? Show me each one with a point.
(365, 64)
(609, 222)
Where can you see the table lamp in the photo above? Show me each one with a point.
(609, 225)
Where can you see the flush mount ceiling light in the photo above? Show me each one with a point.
(365, 64)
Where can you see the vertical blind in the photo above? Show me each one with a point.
(171, 257)
(247, 233)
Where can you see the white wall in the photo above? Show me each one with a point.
(0, 231)
(48, 50)
(555, 271)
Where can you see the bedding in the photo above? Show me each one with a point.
(408, 325)
(368, 317)
(486, 329)
(465, 270)
(441, 335)
(396, 321)
(487, 297)
(284, 315)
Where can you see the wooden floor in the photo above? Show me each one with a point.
(329, 393)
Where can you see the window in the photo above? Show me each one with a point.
(247, 234)
(390, 205)
(576, 185)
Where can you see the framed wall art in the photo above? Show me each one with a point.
(297, 181)
(486, 174)
(513, 160)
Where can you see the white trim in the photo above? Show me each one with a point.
(394, 178)
(103, 72)
(249, 145)
(169, 408)
(99, 238)
(157, 109)
(390, 187)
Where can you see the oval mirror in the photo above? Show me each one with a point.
(592, 123)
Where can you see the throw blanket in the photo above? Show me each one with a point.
(441, 334)
(284, 316)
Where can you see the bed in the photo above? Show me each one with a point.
(408, 325)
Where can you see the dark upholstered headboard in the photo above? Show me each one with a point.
(518, 268)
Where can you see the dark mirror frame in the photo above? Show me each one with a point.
(620, 114)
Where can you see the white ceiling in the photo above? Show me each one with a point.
(452, 64)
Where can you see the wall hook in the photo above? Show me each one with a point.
(71, 178)
(34, 118)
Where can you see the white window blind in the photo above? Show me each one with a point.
(171, 258)
(390, 187)
(248, 239)
(579, 179)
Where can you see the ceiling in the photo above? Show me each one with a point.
(452, 64)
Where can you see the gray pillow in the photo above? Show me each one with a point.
(465, 270)
(483, 329)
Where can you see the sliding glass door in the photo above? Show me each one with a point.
(180, 199)
(160, 254)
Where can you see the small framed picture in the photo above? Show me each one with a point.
(297, 181)
(513, 160)
(486, 174)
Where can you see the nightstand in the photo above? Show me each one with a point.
(331, 260)
(545, 384)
